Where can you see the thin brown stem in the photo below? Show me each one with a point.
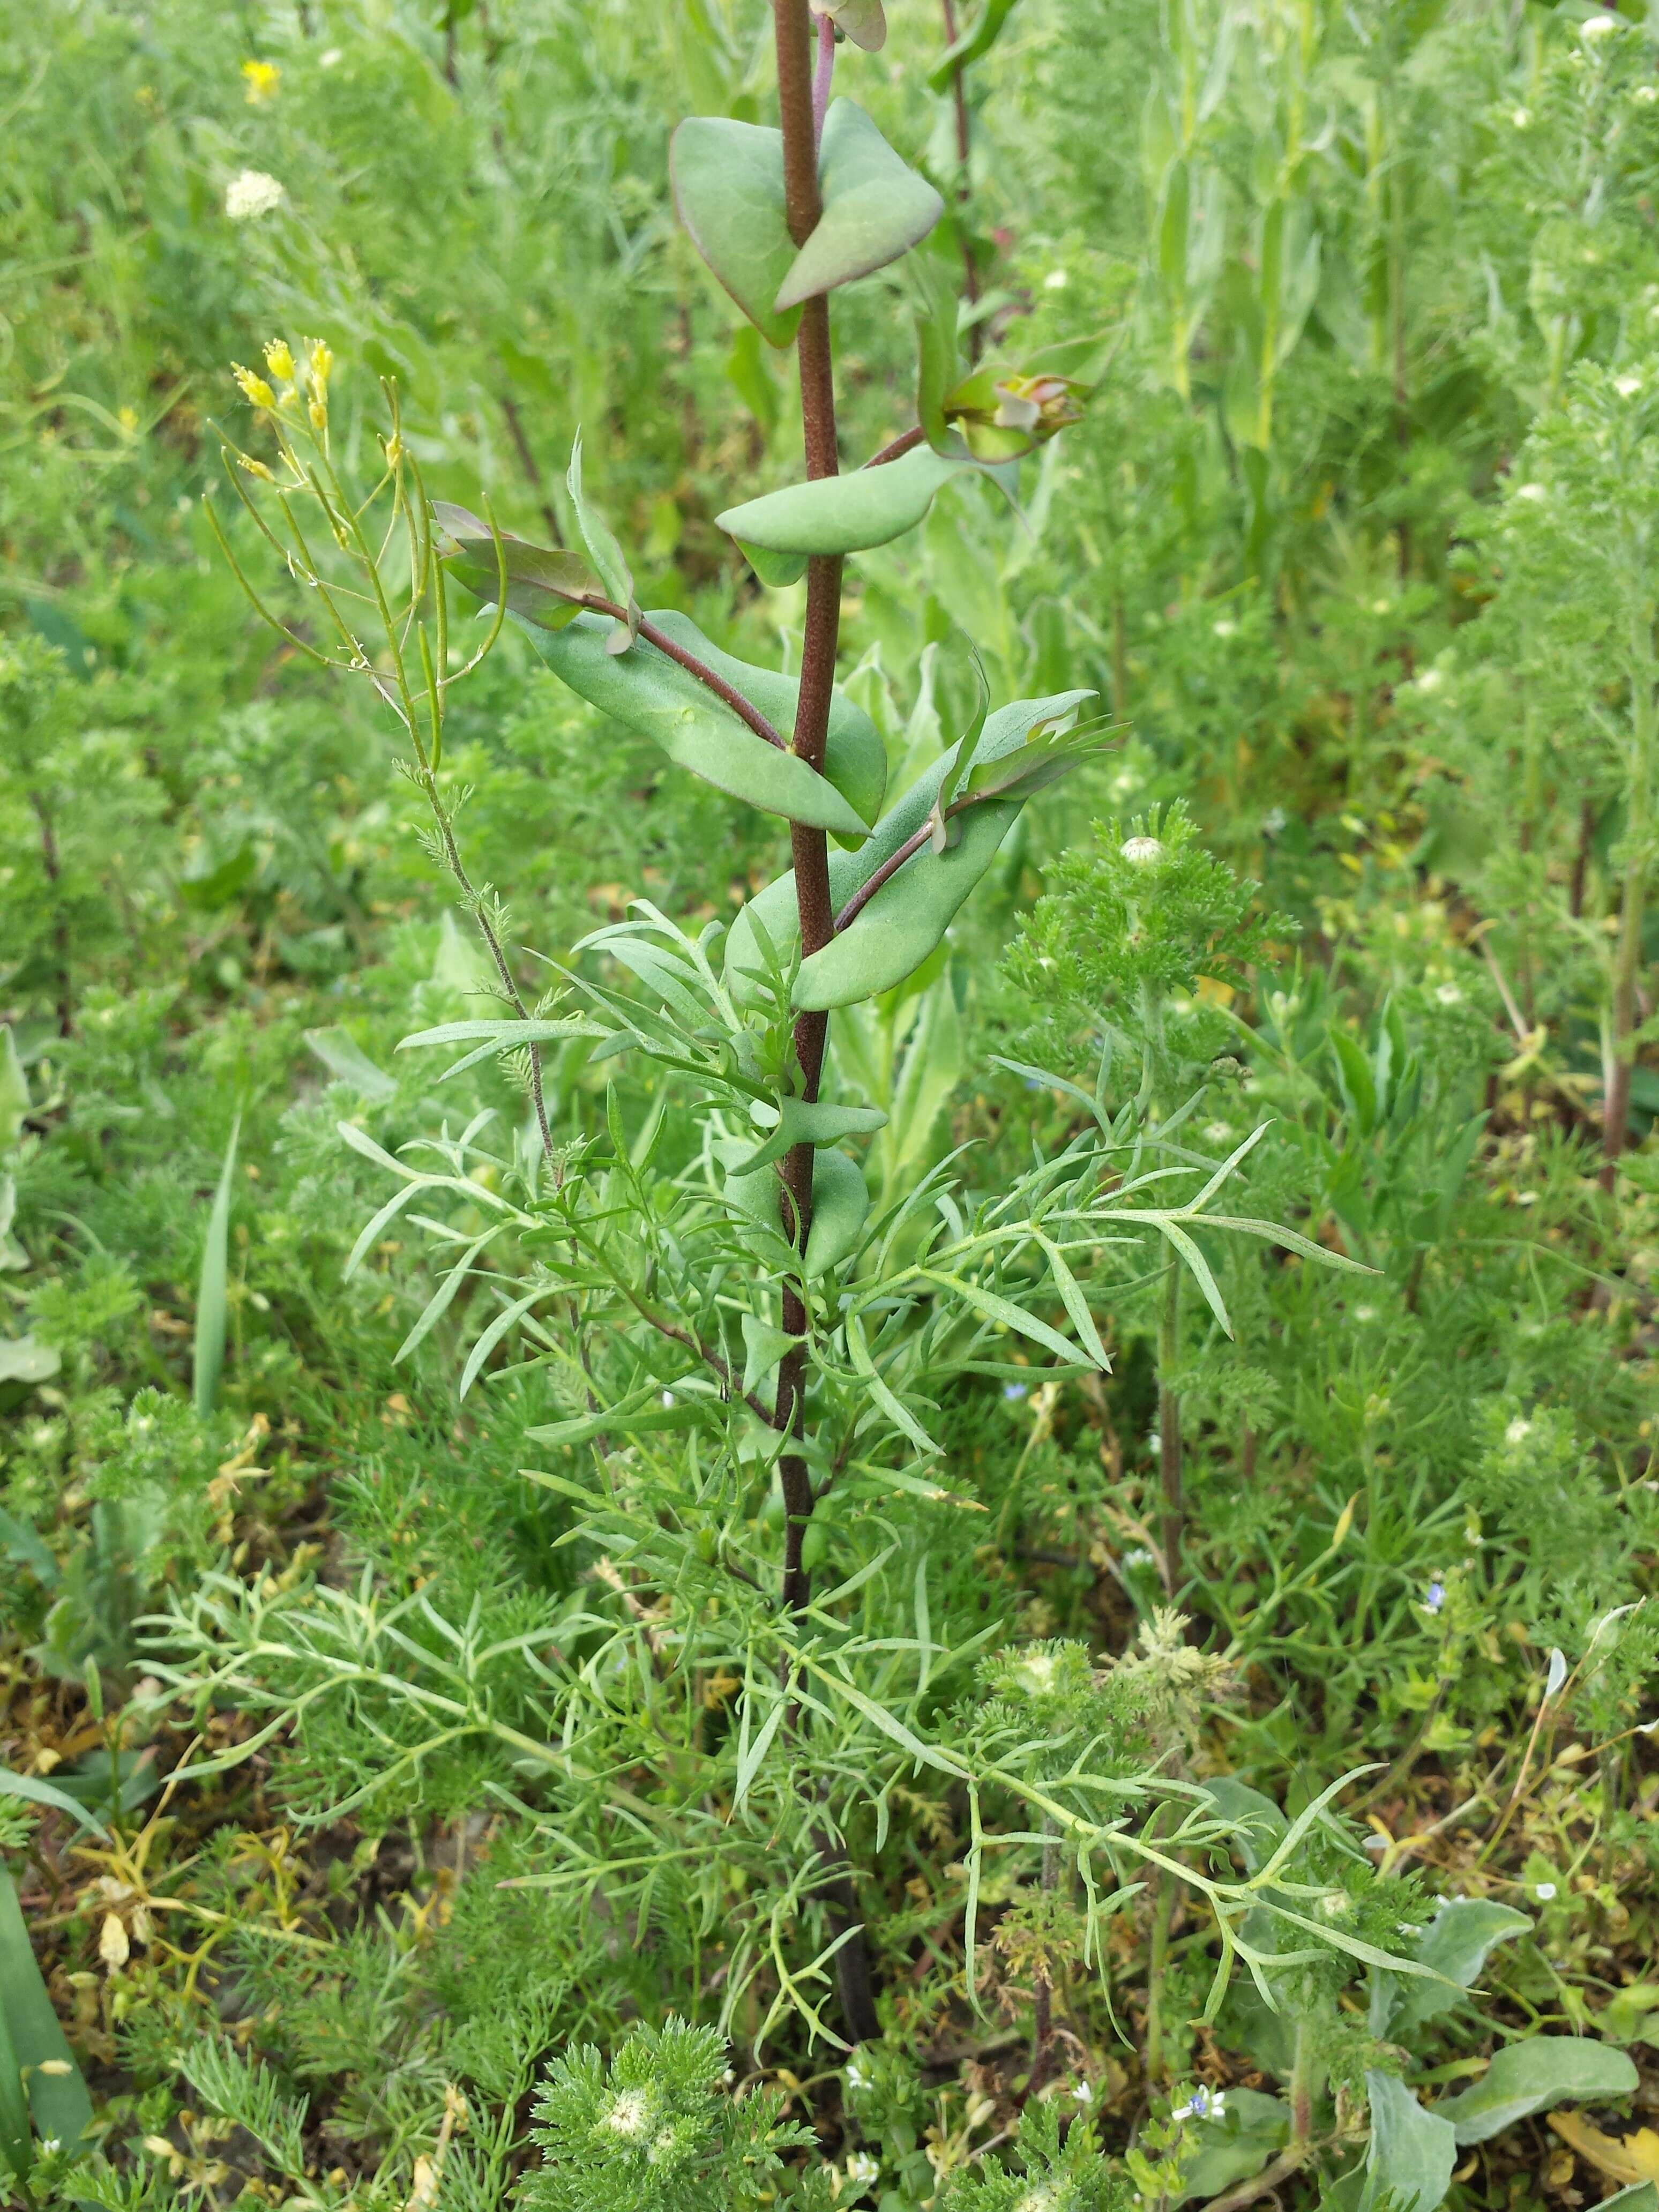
(964, 184)
(528, 463)
(793, 28)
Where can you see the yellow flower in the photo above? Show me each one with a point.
(254, 387)
(262, 79)
(321, 363)
(279, 360)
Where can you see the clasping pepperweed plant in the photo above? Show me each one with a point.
(752, 1369)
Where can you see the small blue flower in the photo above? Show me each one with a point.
(1435, 1596)
(1203, 2105)
(1013, 1389)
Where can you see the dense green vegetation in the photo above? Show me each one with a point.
(1114, 1678)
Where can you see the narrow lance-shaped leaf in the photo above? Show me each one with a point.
(58, 2101)
(649, 693)
(545, 584)
(212, 1289)
(977, 40)
(605, 553)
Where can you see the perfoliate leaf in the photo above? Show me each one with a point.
(864, 22)
(845, 514)
(652, 694)
(764, 1347)
(728, 186)
(907, 917)
(840, 1205)
(875, 208)
(801, 1122)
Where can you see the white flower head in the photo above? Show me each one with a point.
(1627, 386)
(251, 193)
(1273, 820)
(1531, 491)
(1056, 280)
(630, 2113)
(1431, 679)
(1449, 994)
(1520, 118)
(1142, 852)
(1645, 94)
(1598, 27)
(1225, 628)
(1518, 1430)
(1543, 1891)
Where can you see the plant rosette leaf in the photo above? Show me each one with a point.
(1456, 1945)
(57, 2095)
(1530, 2077)
(875, 208)
(727, 180)
(1409, 2163)
(907, 918)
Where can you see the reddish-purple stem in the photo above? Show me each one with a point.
(821, 75)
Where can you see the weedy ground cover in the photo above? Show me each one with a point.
(827, 1195)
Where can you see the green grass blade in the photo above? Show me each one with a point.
(211, 1306)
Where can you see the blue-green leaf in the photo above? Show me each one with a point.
(1411, 2152)
(840, 1205)
(212, 1289)
(648, 692)
(728, 187)
(907, 917)
(1530, 2077)
(875, 208)
(844, 514)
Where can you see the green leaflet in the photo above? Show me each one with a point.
(875, 208)
(58, 2101)
(39, 1792)
(1411, 2152)
(1529, 2077)
(910, 913)
(211, 1295)
(651, 694)
(728, 187)
(977, 39)
(845, 514)
(841, 1205)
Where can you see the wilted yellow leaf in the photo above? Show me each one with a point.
(1621, 2158)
